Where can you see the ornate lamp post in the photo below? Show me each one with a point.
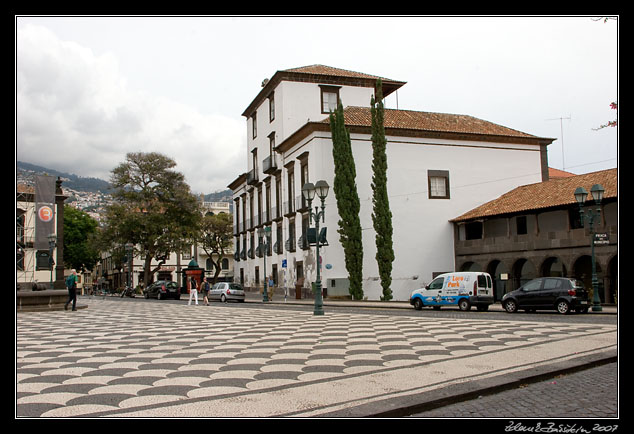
(589, 215)
(265, 233)
(309, 190)
(129, 250)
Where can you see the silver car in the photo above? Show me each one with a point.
(225, 291)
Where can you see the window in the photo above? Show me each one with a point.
(521, 225)
(272, 107)
(534, 285)
(437, 283)
(553, 284)
(329, 98)
(438, 184)
(254, 124)
(473, 230)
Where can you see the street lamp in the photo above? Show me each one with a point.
(590, 214)
(309, 190)
(52, 241)
(129, 249)
(265, 233)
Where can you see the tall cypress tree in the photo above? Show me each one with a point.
(348, 205)
(381, 214)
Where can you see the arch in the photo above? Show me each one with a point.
(522, 271)
(582, 270)
(499, 273)
(612, 280)
(471, 266)
(553, 266)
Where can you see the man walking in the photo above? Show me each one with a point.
(193, 291)
(71, 284)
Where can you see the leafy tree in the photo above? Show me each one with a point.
(381, 214)
(216, 239)
(153, 209)
(79, 230)
(348, 206)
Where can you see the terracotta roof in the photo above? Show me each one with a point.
(429, 121)
(553, 193)
(329, 70)
(324, 75)
(556, 173)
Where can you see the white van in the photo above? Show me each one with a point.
(463, 289)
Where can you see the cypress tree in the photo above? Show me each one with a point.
(348, 205)
(381, 214)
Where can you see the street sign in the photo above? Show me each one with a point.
(601, 238)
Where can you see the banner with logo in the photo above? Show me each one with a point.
(44, 210)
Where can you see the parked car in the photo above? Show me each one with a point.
(462, 289)
(548, 293)
(162, 289)
(225, 291)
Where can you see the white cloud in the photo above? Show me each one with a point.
(74, 112)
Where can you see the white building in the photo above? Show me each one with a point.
(439, 166)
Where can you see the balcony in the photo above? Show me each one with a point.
(269, 164)
(252, 177)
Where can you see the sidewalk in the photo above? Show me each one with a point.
(255, 297)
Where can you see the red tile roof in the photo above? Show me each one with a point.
(324, 75)
(553, 193)
(556, 173)
(431, 122)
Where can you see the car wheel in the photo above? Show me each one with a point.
(418, 304)
(510, 306)
(146, 295)
(159, 296)
(223, 298)
(563, 307)
(464, 305)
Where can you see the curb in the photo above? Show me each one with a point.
(456, 393)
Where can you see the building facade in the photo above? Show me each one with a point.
(439, 166)
(536, 231)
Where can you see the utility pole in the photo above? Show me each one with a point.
(561, 126)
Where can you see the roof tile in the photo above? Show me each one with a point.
(548, 194)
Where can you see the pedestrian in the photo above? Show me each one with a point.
(193, 291)
(71, 284)
(205, 288)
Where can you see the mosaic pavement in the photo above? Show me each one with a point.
(120, 357)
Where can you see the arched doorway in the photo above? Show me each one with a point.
(500, 275)
(582, 270)
(553, 267)
(471, 266)
(523, 271)
(612, 283)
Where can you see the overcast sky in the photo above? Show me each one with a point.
(91, 89)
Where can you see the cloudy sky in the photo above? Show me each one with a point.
(91, 89)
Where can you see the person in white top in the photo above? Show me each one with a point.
(193, 291)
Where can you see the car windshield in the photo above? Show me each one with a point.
(235, 286)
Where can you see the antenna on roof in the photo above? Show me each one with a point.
(561, 126)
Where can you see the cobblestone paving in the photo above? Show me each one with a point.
(591, 393)
(117, 355)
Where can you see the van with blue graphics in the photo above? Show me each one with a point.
(462, 289)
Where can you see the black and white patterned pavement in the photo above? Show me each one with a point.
(147, 358)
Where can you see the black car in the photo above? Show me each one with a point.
(162, 289)
(559, 293)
